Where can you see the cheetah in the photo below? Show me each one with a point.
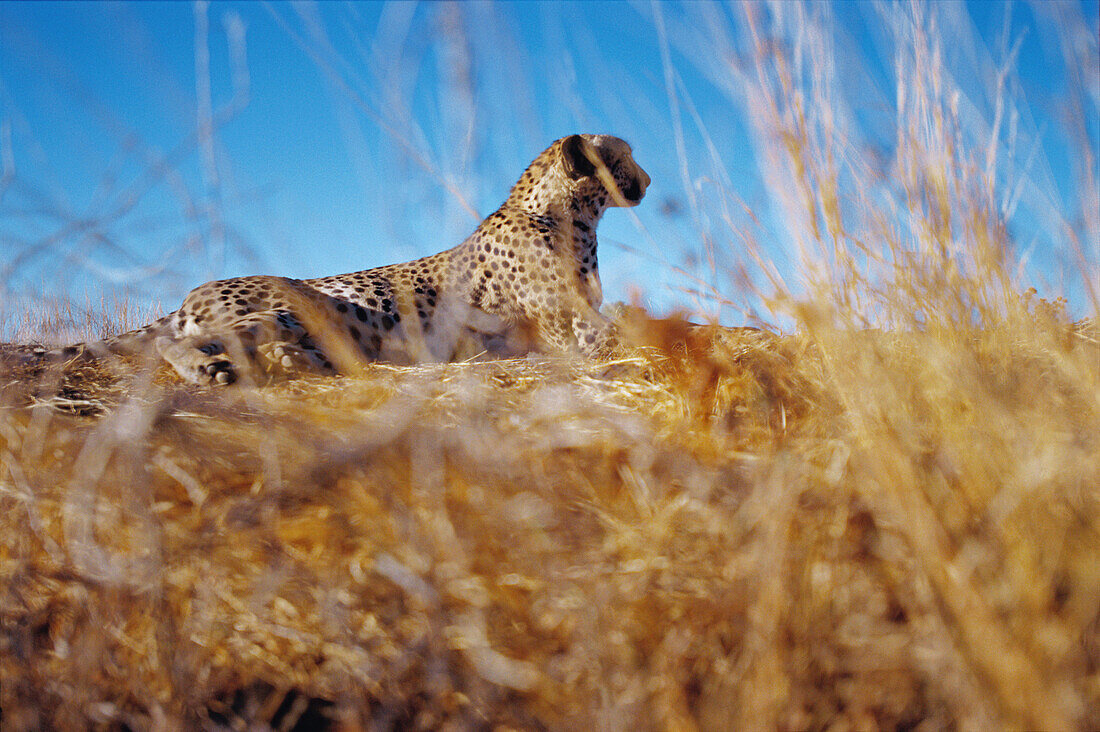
(527, 279)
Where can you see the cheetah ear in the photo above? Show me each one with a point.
(574, 158)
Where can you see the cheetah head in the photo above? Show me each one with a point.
(605, 164)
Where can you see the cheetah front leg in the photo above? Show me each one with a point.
(584, 331)
(262, 345)
(596, 335)
(201, 360)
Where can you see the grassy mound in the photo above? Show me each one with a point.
(723, 529)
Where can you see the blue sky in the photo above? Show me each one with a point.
(344, 136)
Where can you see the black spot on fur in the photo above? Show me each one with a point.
(478, 294)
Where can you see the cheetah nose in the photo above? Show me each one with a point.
(636, 191)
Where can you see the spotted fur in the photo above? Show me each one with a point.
(527, 278)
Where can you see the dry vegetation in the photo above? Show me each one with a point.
(726, 529)
(846, 527)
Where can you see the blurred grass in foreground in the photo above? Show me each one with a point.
(865, 529)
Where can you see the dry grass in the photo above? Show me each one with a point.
(726, 529)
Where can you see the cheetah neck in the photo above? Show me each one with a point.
(551, 195)
(584, 242)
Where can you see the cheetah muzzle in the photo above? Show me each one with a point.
(526, 279)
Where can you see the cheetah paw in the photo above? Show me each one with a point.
(205, 364)
(286, 359)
